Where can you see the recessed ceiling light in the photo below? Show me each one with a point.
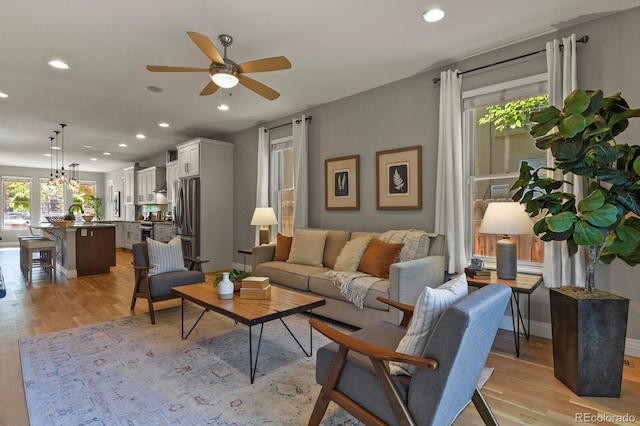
(59, 64)
(163, 124)
(153, 89)
(3, 95)
(56, 147)
(223, 107)
(87, 146)
(47, 155)
(140, 136)
(106, 153)
(433, 15)
(93, 159)
(122, 145)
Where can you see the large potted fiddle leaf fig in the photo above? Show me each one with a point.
(588, 324)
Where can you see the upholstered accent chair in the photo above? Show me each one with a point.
(157, 287)
(354, 374)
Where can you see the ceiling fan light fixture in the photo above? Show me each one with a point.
(224, 80)
(225, 77)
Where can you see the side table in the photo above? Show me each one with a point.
(523, 284)
(245, 252)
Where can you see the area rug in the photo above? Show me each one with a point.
(130, 372)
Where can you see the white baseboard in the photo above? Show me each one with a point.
(543, 329)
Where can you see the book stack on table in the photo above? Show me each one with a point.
(255, 288)
(477, 273)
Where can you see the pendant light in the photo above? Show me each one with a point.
(51, 181)
(62, 176)
(74, 183)
(56, 180)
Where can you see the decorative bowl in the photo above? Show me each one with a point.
(87, 217)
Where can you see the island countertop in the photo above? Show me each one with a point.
(74, 225)
(84, 248)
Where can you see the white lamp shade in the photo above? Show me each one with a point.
(264, 216)
(506, 218)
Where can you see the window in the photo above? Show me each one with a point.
(85, 196)
(51, 200)
(17, 202)
(497, 141)
(282, 183)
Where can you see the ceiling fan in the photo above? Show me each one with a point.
(224, 72)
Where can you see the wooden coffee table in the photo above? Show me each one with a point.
(250, 312)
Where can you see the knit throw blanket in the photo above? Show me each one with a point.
(353, 286)
(410, 238)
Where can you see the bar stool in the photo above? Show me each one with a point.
(23, 253)
(46, 259)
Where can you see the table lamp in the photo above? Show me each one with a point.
(264, 217)
(506, 218)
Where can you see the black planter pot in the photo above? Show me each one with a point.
(588, 341)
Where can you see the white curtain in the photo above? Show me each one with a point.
(262, 184)
(559, 269)
(301, 173)
(450, 177)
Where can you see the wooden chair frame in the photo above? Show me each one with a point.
(378, 355)
(141, 274)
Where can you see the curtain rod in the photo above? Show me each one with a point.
(287, 124)
(583, 39)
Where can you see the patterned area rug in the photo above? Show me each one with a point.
(129, 372)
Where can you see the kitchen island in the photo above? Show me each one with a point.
(84, 248)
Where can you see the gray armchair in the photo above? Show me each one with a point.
(353, 371)
(155, 288)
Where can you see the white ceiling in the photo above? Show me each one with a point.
(337, 48)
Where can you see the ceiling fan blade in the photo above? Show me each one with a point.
(267, 64)
(209, 89)
(162, 68)
(207, 47)
(259, 88)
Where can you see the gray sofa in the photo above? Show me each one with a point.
(406, 279)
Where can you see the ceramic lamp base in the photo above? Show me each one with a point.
(265, 237)
(506, 259)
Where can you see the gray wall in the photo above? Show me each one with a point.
(405, 113)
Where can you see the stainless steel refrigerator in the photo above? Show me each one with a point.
(186, 215)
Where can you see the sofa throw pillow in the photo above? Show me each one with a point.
(307, 247)
(283, 247)
(431, 303)
(350, 255)
(378, 257)
(165, 257)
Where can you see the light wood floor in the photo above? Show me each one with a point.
(521, 391)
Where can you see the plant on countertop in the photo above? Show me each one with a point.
(234, 276)
(606, 222)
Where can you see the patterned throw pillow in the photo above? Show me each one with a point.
(350, 255)
(165, 257)
(431, 303)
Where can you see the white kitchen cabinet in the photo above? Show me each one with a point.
(163, 232)
(129, 187)
(189, 158)
(149, 182)
(172, 176)
(131, 234)
(214, 235)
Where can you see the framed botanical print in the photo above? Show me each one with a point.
(342, 183)
(399, 178)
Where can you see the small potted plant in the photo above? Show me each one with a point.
(588, 325)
